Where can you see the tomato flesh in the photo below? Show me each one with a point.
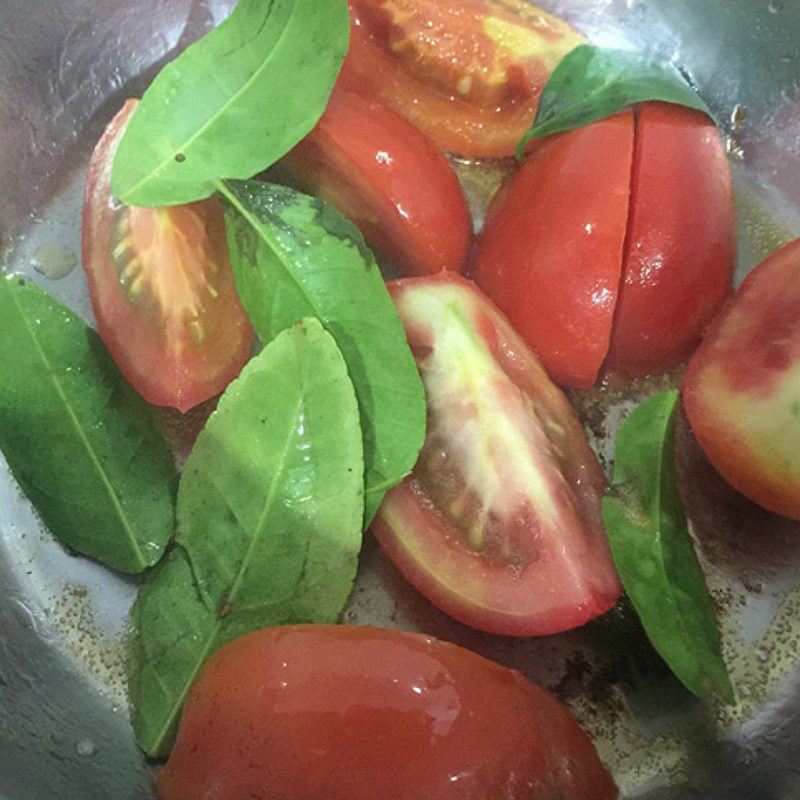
(162, 289)
(681, 245)
(343, 713)
(468, 73)
(499, 524)
(614, 245)
(391, 180)
(551, 252)
(742, 388)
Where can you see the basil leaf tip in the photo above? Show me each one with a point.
(591, 83)
(653, 551)
(228, 105)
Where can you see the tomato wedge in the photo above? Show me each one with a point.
(614, 245)
(551, 251)
(742, 388)
(499, 524)
(467, 72)
(342, 713)
(391, 180)
(162, 288)
(681, 245)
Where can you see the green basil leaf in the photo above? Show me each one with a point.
(653, 551)
(234, 102)
(269, 523)
(591, 83)
(80, 442)
(293, 256)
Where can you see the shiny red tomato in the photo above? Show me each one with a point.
(551, 251)
(338, 713)
(467, 72)
(391, 180)
(499, 524)
(742, 388)
(681, 245)
(162, 288)
(614, 245)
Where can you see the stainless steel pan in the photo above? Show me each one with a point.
(65, 65)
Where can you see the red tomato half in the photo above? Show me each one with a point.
(391, 180)
(551, 252)
(614, 245)
(742, 388)
(162, 288)
(499, 524)
(467, 72)
(681, 246)
(338, 713)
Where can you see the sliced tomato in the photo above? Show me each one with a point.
(162, 288)
(742, 388)
(391, 180)
(681, 246)
(551, 251)
(614, 245)
(342, 713)
(499, 524)
(467, 72)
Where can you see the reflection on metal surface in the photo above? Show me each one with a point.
(64, 68)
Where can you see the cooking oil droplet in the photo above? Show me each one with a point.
(86, 747)
(54, 261)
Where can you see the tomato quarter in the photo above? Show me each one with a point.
(551, 252)
(162, 289)
(391, 180)
(681, 246)
(613, 246)
(742, 388)
(499, 523)
(468, 72)
(340, 713)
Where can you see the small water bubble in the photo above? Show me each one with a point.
(54, 261)
(763, 655)
(776, 6)
(86, 747)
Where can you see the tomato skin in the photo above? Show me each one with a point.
(467, 72)
(742, 386)
(391, 180)
(499, 524)
(550, 254)
(681, 246)
(166, 305)
(343, 713)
